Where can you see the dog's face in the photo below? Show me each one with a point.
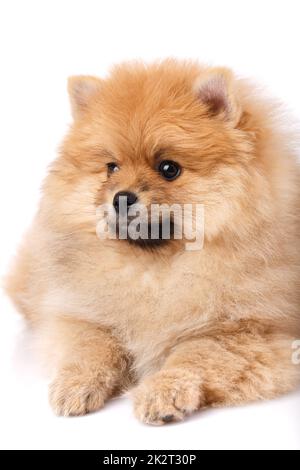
(164, 134)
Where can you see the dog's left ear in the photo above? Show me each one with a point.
(215, 89)
(82, 90)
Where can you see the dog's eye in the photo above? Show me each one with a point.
(112, 168)
(169, 170)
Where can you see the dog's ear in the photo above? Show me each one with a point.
(82, 89)
(215, 89)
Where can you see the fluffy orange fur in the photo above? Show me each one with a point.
(184, 329)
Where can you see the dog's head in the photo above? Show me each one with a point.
(168, 133)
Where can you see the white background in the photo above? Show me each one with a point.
(43, 42)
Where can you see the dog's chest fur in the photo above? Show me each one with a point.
(150, 306)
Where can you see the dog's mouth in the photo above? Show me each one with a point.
(148, 236)
(154, 240)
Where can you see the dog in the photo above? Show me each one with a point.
(182, 328)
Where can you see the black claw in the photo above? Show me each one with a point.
(168, 418)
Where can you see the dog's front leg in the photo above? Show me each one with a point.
(89, 365)
(226, 369)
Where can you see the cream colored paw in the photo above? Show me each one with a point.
(75, 392)
(167, 396)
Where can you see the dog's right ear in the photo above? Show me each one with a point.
(82, 89)
(216, 90)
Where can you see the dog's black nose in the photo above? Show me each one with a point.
(124, 199)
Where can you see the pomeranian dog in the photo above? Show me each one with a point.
(183, 328)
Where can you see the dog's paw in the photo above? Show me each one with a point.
(75, 392)
(167, 396)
